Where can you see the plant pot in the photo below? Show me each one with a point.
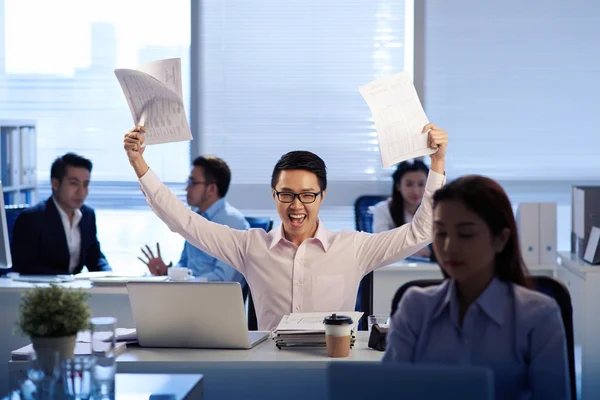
(46, 349)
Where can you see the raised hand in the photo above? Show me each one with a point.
(438, 139)
(156, 265)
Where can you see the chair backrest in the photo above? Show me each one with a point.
(265, 223)
(369, 380)
(363, 217)
(363, 221)
(544, 284)
(12, 213)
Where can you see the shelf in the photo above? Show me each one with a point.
(18, 161)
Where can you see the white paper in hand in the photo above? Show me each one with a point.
(154, 95)
(399, 118)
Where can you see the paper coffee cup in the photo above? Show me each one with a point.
(338, 335)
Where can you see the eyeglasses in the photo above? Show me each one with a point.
(191, 182)
(305, 198)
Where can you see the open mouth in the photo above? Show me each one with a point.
(297, 220)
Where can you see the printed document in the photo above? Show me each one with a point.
(399, 118)
(155, 98)
(302, 322)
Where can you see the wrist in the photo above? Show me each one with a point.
(438, 166)
(165, 271)
(140, 167)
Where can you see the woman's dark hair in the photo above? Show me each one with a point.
(397, 203)
(486, 198)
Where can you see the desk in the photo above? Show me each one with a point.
(583, 281)
(387, 280)
(263, 372)
(104, 301)
(145, 386)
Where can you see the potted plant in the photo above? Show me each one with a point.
(51, 317)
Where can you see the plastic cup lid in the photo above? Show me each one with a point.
(335, 319)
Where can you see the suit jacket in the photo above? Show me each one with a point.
(39, 245)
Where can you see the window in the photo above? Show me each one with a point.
(57, 67)
(282, 76)
(515, 83)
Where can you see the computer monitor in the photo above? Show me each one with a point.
(5, 257)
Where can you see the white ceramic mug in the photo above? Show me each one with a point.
(180, 274)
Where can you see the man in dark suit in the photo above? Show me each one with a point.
(58, 235)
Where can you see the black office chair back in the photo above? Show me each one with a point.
(544, 284)
(363, 217)
(363, 221)
(266, 224)
(12, 213)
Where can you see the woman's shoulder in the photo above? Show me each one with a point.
(382, 205)
(533, 305)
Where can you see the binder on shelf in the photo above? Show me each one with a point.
(548, 232)
(6, 155)
(18, 152)
(528, 224)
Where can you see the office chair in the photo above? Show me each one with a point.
(372, 380)
(363, 220)
(12, 213)
(265, 223)
(545, 284)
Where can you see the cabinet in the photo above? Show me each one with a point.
(18, 166)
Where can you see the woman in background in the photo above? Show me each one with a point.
(485, 314)
(407, 193)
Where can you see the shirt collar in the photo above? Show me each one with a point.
(322, 235)
(214, 208)
(63, 215)
(491, 301)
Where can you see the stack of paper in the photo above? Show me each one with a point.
(301, 330)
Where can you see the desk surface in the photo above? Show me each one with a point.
(576, 264)
(410, 266)
(263, 352)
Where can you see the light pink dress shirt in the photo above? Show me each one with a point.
(322, 274)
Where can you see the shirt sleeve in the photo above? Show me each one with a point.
(404, 329)
(548, 369)
(219, 241)
(183, 260)
(377, 250)
(220, 271)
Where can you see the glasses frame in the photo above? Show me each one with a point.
(192, 183)
(297, 195)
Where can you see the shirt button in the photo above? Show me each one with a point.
(297, 308)
(297, 283)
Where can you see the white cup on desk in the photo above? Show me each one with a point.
(180, 274)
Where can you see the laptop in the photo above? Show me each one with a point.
(202, 315)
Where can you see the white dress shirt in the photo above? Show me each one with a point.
(73, 235)
(382, 217)
(322, 274)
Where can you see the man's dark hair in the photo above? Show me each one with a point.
(59, 166)
(304, 160)
(215, 171)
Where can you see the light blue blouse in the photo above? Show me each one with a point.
(516, 332)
